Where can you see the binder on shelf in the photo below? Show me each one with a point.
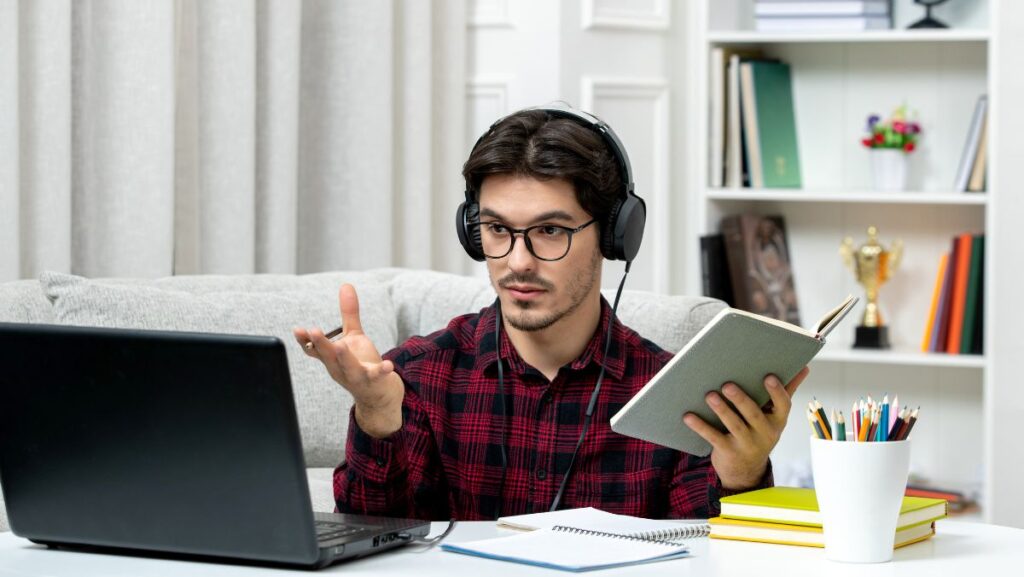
(956, 315)
(972, 300)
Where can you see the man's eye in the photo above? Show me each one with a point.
(551, 230)
(495, 228)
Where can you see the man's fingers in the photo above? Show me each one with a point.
(752, 413)
(730, 419)
(782, 403)
(348, 302)
(706, 431)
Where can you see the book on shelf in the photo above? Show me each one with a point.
(769, 124)
(799, 506)
(735, 346)
(782, 534)
(970, 151)
(715, 268)
(823, 24)
(760, 268)
(821, 8)
(938, 343)
(722, 93)
(956, 313)
(972, 304)
(584, 539)
(931, 328)
(977, 180)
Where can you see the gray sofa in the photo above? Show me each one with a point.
(395, 304)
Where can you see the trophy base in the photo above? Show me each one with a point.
(871, 338)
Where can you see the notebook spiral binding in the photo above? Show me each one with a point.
(663, 536)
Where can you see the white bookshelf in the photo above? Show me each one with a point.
(838, 80)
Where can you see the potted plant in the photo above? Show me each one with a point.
(891, 142)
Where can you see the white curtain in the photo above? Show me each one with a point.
(157, 137)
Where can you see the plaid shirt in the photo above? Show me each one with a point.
(445, 461)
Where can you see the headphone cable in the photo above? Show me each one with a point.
(593, 396)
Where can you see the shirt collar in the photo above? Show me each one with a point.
(593, 354)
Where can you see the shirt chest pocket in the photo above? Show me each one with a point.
(641, 493)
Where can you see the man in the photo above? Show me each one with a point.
(453, 425)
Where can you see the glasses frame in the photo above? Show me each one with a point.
(525, 232)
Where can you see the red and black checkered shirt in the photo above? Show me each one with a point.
(445, 461)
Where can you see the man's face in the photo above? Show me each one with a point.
(535, 294)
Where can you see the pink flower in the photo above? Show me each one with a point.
(899, 127)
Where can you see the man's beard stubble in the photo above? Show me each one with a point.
(578, 288)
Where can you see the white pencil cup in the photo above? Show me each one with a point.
(860, 489)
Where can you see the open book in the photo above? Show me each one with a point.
(736, 346)
(584, 539)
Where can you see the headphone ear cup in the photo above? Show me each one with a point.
(469, 236)
(608, 232)
(625, 229)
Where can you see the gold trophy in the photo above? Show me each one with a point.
(873, 265)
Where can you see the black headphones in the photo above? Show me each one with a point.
(621, 234)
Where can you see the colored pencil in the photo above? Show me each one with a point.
(910, 424)
(815, 426)
(841, 425)
(824, 418)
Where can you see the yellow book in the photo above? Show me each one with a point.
(936, 293)
(796, 506)
(782, 534)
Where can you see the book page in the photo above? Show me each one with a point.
(832, 317)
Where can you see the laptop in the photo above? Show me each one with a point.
(167, 442)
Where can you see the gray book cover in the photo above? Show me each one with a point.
(736, 346)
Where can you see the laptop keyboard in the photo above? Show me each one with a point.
(328, 531)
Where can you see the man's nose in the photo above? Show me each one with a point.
(521, 259)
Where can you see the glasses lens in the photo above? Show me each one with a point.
(545, 242)
(549, 242)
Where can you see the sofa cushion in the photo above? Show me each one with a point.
(322, 405)
(21, 301)
(425, 301)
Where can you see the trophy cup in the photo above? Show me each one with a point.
(873, 265)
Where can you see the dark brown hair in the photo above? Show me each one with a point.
(533, 144)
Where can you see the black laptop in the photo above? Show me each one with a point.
(168, 442)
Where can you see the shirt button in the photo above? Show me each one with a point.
(541, 474)
(380, 461)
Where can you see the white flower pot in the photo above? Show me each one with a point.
(889, 169)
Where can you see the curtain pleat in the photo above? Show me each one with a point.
(123, 138)
(10, 229)
(278, 61)
(45, 135)
(229, 136)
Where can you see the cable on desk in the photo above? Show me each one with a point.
(428, 541)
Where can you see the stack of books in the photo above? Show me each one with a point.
(822, 15)
(790, 516)
(956, 318)
(753, 121)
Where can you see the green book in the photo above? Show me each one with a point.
(770, 124)
(972, 302)
(796, 506)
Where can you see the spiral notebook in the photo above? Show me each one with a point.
(609, 541)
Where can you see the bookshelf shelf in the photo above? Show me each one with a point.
(847, 196)
(877, 36)
(905, 357)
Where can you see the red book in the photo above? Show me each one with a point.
(956, 317)
(938, 345)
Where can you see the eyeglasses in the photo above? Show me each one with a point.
(545, 241)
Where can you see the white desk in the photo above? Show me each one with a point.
(958, 549)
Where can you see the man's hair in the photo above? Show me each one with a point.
(533, 144)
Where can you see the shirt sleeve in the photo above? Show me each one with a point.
(399, 476)
(696, 490)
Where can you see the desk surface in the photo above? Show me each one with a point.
(958, 548)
